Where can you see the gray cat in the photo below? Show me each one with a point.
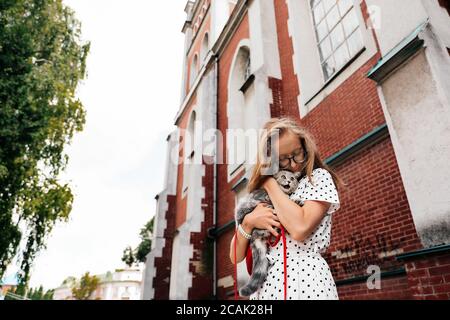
(288, 182)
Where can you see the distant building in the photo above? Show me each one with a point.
(123, 284)
(7, 284)
(64, 292)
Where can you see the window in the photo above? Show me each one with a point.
(338, 34)
(248, 69)
(243, 113)
(189, 144)
(193, 73)
(205, 48)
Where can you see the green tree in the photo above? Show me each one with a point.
(42, 61)
(32, 293)
(39, 294)
(139, 254)
(145, 245)
(85, 287)
(48, 295)
(128, 256)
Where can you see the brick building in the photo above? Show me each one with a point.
(370, 79)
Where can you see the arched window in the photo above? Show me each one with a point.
(242, 113)
(189, 150)
(193, 71)
(205, 47)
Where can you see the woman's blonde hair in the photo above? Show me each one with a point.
(312, 157)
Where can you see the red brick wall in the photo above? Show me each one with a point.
(163, 264)
(429, 277)
(202, 280)
(276, 107)
(374, 217)
(290, 91)
(395, 288)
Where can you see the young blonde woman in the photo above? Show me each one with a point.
(307, 226)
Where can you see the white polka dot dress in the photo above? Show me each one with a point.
(308, 274)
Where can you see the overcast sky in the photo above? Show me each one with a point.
(116, 164)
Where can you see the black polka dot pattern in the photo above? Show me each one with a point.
(308, 274)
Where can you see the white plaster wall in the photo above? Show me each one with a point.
(180, 277)
(306, 57)
(263, 38)
(160, 224)
(440, 20)
(265, 59)
(219, 16)
(418, 118)
(399, 18)
(172, 160)
(158, 244)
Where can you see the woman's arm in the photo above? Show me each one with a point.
(242, 243)
(260, 218)
(300, 222)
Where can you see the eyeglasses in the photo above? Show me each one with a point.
(298, 157)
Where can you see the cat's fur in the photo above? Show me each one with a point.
(288, 182)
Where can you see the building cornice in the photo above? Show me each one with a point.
(395, 58)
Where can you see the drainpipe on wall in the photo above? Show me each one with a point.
(216, 151)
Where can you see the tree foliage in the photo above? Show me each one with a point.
(128, 256)
(139, 254)
(85, 287)
(40, 294)
(42, 61)
(32, 293)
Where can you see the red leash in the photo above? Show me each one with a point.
(236, 295)
(283, 236)
(284, 261)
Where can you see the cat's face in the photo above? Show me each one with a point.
(287, 180)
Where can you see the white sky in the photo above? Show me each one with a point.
(117, 163)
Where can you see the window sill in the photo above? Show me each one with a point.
(333, 77)
(236, 172)
(247, 83)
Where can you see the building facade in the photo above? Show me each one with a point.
(370, 79)
(122, 284)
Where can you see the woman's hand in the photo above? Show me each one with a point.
(262, 217)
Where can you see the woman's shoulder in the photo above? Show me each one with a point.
(317, 173)
(320, 171)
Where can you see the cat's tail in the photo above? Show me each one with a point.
(260, 268)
